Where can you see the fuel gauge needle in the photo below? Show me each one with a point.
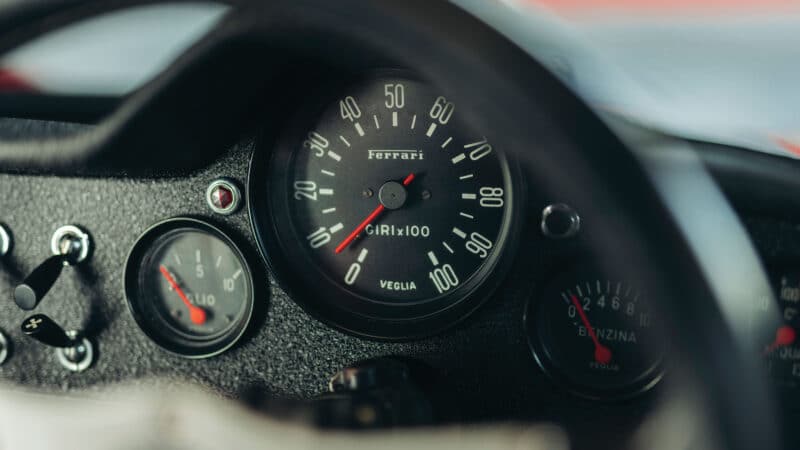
(196, 314)
(602, 354)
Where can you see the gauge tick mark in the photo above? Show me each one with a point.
(431, 130)
(433, 258)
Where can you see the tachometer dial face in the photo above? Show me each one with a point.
(189, 287)
(388, 206)
(593, 334)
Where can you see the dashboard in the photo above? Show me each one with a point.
(365, 227)
(271, 333)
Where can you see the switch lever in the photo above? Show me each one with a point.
(70, 246)
(74, 351)
(47, 331)
(36, 285)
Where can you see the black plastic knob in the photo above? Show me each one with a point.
(28, 294)
(47, 331)
(371, 374)
(377, 393)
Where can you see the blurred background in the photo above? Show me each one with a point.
(718, 70)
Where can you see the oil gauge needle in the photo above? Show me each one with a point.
(370, 218)
(602, 354)
(783, 337)
(196, 314)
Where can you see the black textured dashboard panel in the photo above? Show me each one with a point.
(287, 352)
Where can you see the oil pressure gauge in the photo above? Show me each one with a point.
(189, 287)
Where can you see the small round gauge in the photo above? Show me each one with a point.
(592, 334)
(782, 351)
(189, 287)
(387, 209)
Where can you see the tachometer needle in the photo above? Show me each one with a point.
(196, 314)
(602, 354)
(783, 337)
(370, 218)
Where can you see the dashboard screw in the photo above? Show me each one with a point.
(367, 193)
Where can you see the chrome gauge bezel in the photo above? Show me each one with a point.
(181, 344)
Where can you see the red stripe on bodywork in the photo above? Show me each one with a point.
(12, 82)
(790, 147)
(664, 5)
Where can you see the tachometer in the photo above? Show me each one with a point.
(388, 210)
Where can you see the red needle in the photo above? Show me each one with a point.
(196, 314)
(783, 337)
(602, 354)
(370, 218)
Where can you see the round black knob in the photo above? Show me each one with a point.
(376, 393)
(560, 221)
(36, 285)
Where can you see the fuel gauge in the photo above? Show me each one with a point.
(594, 335)
(782, 352)
(189, 287)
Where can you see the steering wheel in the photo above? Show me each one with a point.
(649, 200)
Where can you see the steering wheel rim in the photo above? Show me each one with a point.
(576, 154)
